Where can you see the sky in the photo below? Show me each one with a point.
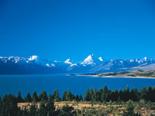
(60, 29)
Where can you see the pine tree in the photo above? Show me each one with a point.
(43, 96)
(28, 98)
(19, 97)
(35, 97)
(56, 96)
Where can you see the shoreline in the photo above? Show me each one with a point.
(135, 77)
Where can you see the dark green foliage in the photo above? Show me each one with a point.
(130, 110)
(42, 110)
(8, 103)
(32, 111)
(106, 95)
(8, 106)
(43, 96)
(67, 111)
(78, 98)
(50, 107)
(68, 96)
(56, 96)
(19, 97)
(28, 98)
(91, 95)
(35, 97)
(148, 94)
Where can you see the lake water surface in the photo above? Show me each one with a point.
(77, 84)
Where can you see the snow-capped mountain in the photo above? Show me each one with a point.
(90, 64)
(33, 58)
(68, 61)
(17, 59)
(22, 65)
(90, 60)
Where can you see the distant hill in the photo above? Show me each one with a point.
(136, 73)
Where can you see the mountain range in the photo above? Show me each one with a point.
(90, 65)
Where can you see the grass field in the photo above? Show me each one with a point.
(108, 108)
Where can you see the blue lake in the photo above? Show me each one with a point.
(77, 84)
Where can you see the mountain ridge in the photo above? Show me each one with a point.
(91, 64)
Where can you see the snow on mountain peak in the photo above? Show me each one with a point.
(12, 59)
(131, 60)
(100, 59)
(145, 58)
(88, 60)
(33, 58)
(50, 65)
(17, 59)
(68, 61)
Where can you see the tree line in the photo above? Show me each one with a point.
(8, 103)
(101, 95)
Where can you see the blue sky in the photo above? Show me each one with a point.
(58, 29)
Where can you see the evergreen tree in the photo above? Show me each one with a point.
(50, 107)
(130, 110)
(35, 97)
(67, 111)
(19, 97)
(9, 106)
(33, 111)
(42, 111)
(28, 98)
(43, 96)
(68, 96)
(88, 95)
(105, 94)
(56, 96)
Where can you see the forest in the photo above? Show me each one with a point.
(9, 107)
